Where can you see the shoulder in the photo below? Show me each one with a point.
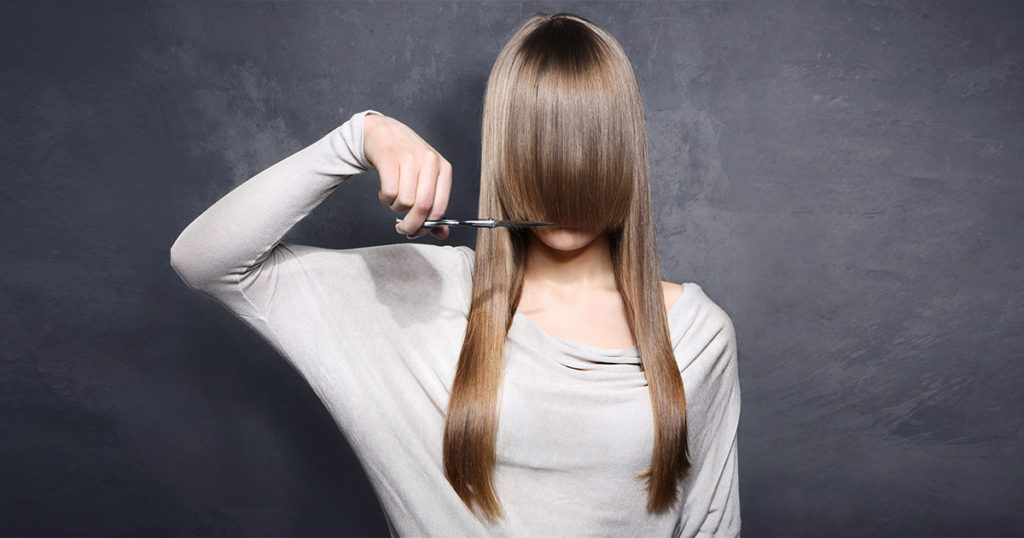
(700, 328)
(442, 257)
(410, 268)
(401, 271)
(397, 263)
(696, 307)
(398, 256)
(413, 268)
(455, 261)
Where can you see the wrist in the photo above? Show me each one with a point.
(371, 119)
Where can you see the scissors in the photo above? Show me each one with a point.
(481, 223)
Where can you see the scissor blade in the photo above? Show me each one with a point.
(511, 224)
(481, 223)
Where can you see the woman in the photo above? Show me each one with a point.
(546, 384)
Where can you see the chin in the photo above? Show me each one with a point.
(567, 239)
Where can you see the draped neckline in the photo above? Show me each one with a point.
(579, 355)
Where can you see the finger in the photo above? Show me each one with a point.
(388, 183)
(441, 191)
(419, 234)
(424, 199)
(441, 232)
(406, 185)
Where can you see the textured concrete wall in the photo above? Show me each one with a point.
(843, 178)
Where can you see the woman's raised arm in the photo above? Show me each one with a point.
(221, 250)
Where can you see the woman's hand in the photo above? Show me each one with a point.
(414, 177)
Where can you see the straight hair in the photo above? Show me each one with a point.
(563, 140)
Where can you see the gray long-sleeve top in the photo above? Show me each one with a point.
(377, 332)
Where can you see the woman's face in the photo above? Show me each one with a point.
(564, 238)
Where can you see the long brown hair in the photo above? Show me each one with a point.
(563, 140)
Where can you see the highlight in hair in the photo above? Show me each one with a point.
(563, 140)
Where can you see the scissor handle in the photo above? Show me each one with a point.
(440, 222)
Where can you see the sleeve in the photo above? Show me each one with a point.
(711, 380)
(220, 253)
(725, 504)
(723, 514)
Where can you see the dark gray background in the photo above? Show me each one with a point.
(844, 178)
